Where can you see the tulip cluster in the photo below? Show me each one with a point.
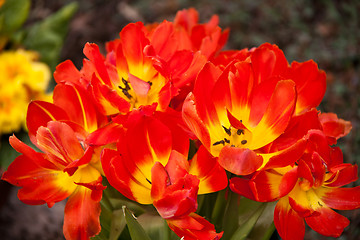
(130, 115)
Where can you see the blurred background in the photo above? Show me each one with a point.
(326, 31)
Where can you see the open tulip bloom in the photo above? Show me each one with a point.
(168, 123)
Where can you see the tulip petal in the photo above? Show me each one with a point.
(328, 222)
(203, 88)
(59, 141)
(122, 180)
(240, 161)
(288, 223)
(39, 184)
(334, 126)
(277, 115)
(67, 72)
(343, 174)
(148, 141)
(160, 182)
(242, 186)
(82, 212)
(179, 131)
(211, 175)
(310, 85)
(133, 43)
(78, 105)
(107, 99)
(108, 134)
(268, 60)
(194, 227)
(271, 185)
(284, 157)
(40, 113)
(194, 122)
(341, 198)
(92, 52)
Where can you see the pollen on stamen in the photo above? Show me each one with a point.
(240, 131)
(227, 130)
(125, 92)
(126, 83)
(148, 181)
(243, 142)
(219, 142)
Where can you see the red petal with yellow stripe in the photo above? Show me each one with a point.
(40, 113)
(266, 186)
(328, 222)
(310, 85)
(40, 180)
(78, 105)
(82, 212)
(288, 223)
(211, 175)
(342, 198)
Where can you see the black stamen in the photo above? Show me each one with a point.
(232, 145)
(227, 130)
(243, 142)
(240, 131)
(125, 92)
(148, 181)
(226, 140)
(150, 83)
(126, 83)
(219, 142)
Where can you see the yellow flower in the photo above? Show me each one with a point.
(22, 79)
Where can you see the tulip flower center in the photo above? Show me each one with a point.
(233, 137)
(140, 92)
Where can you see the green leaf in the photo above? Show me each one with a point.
(7, 154)
(13, 15)
(231, 215)
(264, 227)
(219, 209)
(117, 224)
(135, 229)
(47, 37)
(243, 231)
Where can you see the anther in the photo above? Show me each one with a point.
(126, 83)
(125, 92)
(240, 131)
(150, 83)
(226, 140)
(227, 130)
(243, 142)
(148, 181)
(219, 142)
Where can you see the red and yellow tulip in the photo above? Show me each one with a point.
(68, 166)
